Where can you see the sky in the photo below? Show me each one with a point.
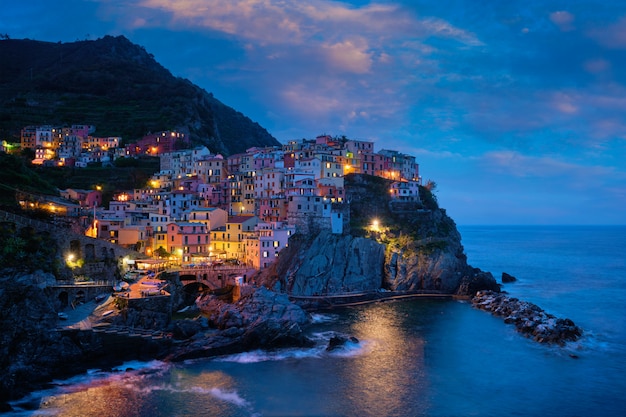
(515, 109)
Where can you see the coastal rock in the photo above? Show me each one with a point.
(184, 329)
(260, 319)
(432, 263)
(506, 278)
(337, 341)
(330, 264)
(528, 318)
(27, 345)
(257, 305)
(477, 280)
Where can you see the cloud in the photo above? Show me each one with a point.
(611, 36)
(350, 55)
(596, 66)
(296, 22)
(346, 66)
(563, 19)
(518, 165)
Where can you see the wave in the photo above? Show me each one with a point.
(256, 356)
(125, 374)
(593, 342)
(317, 318)
(349, 349)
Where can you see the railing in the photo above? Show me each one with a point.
(353, 299)
(72, 283)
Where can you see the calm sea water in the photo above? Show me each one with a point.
(414, 358)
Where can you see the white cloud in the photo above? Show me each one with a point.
(518, 165)
(611, 36)
(563, 19)
(350, 55)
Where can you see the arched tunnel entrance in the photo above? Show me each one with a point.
(64, 299)
(192, 290)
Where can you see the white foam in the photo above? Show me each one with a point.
(231, 397)
(267, 356)
(323, 318)
(352, 349)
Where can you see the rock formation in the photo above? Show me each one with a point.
(414, 247)
(260, 319)
(507, 278)
(331, 264)
(528, 318)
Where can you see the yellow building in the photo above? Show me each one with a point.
(229, 242)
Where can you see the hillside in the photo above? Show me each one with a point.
(118, 87)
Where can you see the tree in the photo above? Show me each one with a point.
(430, 185)
(162, 253)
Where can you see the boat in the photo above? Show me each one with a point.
(121, 286)
(101, 297)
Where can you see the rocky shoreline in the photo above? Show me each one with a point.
(260, 319)
(528, 318)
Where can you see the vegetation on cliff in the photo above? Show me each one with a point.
(118, 87)
(26, 249)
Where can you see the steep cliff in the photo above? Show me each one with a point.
(429, 261)
(391, 245)
(328, 264)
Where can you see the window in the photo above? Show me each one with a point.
(265, 254)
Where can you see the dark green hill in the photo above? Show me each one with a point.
(118, 87)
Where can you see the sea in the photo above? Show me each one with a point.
(413, 357)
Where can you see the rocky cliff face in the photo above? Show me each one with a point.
(29, 350)
(260, 319)
(433, 263)
(415, 246)
(330, 264)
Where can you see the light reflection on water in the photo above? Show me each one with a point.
(422, 358)
(381, 382)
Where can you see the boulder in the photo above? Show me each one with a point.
(184, 329)
(337, 341)
(506, 278)
(477, 280)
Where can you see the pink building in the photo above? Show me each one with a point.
(187, 239)
(85, 198)
(264, 245)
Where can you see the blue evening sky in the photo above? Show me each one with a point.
(516, 109)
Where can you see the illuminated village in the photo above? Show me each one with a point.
(203, 208)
